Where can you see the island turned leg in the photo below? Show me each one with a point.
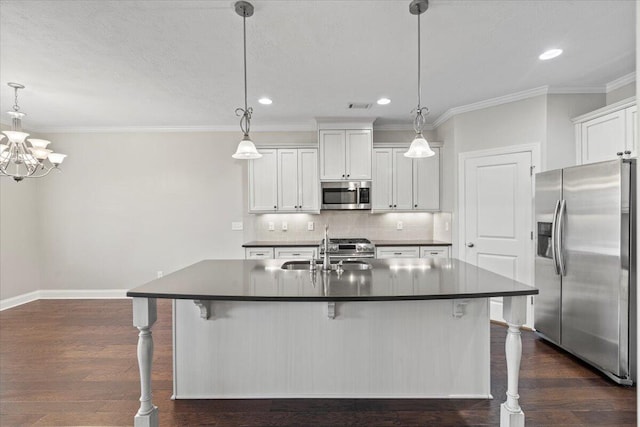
(514, 312)
(144, 316)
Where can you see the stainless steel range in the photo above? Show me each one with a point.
(351, 248)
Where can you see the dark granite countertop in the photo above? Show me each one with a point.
(409, 243)
(280, 243)
(387, 280)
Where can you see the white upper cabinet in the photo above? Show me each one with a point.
(426, 183)
(602, 134)
(404, 184)
(263, 182)
(345, 154)
(286, 182)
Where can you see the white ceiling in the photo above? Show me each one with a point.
(92, 64)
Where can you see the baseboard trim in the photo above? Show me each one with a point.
(62, 294)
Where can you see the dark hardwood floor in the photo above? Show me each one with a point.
(73, 362)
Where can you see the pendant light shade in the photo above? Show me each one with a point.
(246, 148)
(419, 147)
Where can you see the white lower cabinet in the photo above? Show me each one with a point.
(296, 253)
(434, 252)
(397, 252)
(258, 253)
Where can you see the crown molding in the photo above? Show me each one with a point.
(401, 127)
(291, 127)
(621, 81)
(492, 102)
(573, 90)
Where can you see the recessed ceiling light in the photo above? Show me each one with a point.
(265, 101)
(383, 101)
(550, 54)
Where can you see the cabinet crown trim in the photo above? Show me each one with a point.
(620, 105)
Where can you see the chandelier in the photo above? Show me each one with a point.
(246, 148)
(24, 158)
(419, 147)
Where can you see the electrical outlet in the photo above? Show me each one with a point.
(399, 225)
(285, 226)
(272, 226)
(159, 274)
(236, 226)
(310, 225)
(446, 226)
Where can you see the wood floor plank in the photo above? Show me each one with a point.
(73, 362)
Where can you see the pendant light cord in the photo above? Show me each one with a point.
(244, 113)
(419, 61)
(244, 37)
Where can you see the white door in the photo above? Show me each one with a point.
(358, 152)
(308, 191)
(332, 154)
(287, 180)
(498, 212)
(263, 182)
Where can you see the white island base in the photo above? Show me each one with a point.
(276, 349)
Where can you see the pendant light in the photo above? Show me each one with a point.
(246, 149)
(419, 147)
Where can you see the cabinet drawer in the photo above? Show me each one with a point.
(296, 253)
(258, 253)
(397, 252)
(434, 252)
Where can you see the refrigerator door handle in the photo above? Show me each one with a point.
(554, 232)
(559, 230)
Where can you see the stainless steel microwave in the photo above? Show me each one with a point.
(346, 195)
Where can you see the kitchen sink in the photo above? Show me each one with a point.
(346, 265)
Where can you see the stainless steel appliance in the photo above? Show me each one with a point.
(346, 195)
(585, 264)
(345, 249)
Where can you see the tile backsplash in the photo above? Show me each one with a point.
(415, 226)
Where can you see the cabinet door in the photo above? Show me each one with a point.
(382, 183)
(402, 180)
(332, 154)
(287, 180)
(258, 253)
(426, 183)
(434, 252)
(308, 184)
(632, 130)
(603, 137)
(358, 154)
(397, 252)
(263, 182)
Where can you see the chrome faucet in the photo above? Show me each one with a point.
(326, 264)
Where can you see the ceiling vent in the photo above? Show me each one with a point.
(358, 106)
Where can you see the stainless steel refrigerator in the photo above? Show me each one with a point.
(585, 264)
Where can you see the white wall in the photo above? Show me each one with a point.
(130, 204)
(21, 255)
(560, 144)
(621, 93)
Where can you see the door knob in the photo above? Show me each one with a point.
(470, 244)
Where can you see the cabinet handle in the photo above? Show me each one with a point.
(390, 206)
(343, 175)
(275, 207)
(415, 206)
(434, 253)
(627, 151)
(259, 254)
(395, 206)
(619, 153)
(295, 254)
(348, 175)
(397, 253)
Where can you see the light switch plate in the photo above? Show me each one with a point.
(272, 226)
(310, 225)
(399, 225)
(285, 226)
(446, 226)
(236, 226)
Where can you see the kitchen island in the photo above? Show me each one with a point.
(403, 328)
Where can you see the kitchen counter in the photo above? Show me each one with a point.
(280, 243)
(264, 280)
(409, 243)
(406, 328)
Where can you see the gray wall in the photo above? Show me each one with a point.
(621, 93)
